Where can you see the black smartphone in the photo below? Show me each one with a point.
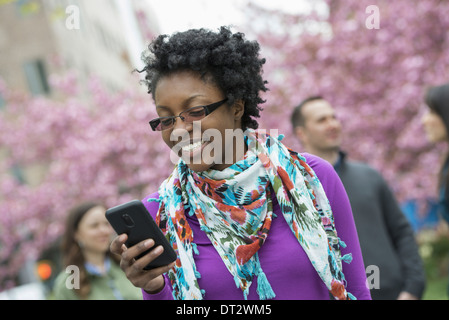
(134, 219)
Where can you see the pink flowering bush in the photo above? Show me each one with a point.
(375, 78)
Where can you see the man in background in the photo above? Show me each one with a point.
(386, 237)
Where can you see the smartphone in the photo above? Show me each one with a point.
(134, 219)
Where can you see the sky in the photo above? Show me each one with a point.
(179, 15)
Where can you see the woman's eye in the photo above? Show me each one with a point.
(196, 113)
(166, 122)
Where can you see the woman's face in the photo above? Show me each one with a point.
(434, 127)
(208, 143)
(94, 231)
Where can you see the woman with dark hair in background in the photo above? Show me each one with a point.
(436, 125)
(248, 210)
(94, 273)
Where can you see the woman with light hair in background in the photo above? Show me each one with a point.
(94, 273)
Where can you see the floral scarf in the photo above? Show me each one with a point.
(234, 209)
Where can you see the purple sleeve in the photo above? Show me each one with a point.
(344, 223)
(166, 292)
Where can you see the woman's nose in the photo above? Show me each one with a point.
(181, 130)
(179, 123)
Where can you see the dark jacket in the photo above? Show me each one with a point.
(386, 237)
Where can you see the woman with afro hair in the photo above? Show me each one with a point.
(247, 217)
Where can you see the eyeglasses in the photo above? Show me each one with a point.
(188, 116)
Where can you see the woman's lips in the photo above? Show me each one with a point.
(191, 147)
(193, 150)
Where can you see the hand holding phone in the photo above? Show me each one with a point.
(152, 281)
(133, 219)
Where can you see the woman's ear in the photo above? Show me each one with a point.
(239, 109)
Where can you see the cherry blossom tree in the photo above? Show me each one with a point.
(374, 75)
(95, 147)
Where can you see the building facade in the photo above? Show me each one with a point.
(102, 38)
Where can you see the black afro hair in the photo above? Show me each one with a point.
(231, 61)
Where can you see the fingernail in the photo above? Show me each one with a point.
(158, 250)
(148, 243)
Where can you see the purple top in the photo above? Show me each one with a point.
(282, 258)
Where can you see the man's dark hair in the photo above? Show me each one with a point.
(297, 118)
(231, 62)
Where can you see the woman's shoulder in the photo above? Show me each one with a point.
(319, 165)
(63, 288)
(151, 202)
(326, 174)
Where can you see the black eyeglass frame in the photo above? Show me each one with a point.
(208, 109)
